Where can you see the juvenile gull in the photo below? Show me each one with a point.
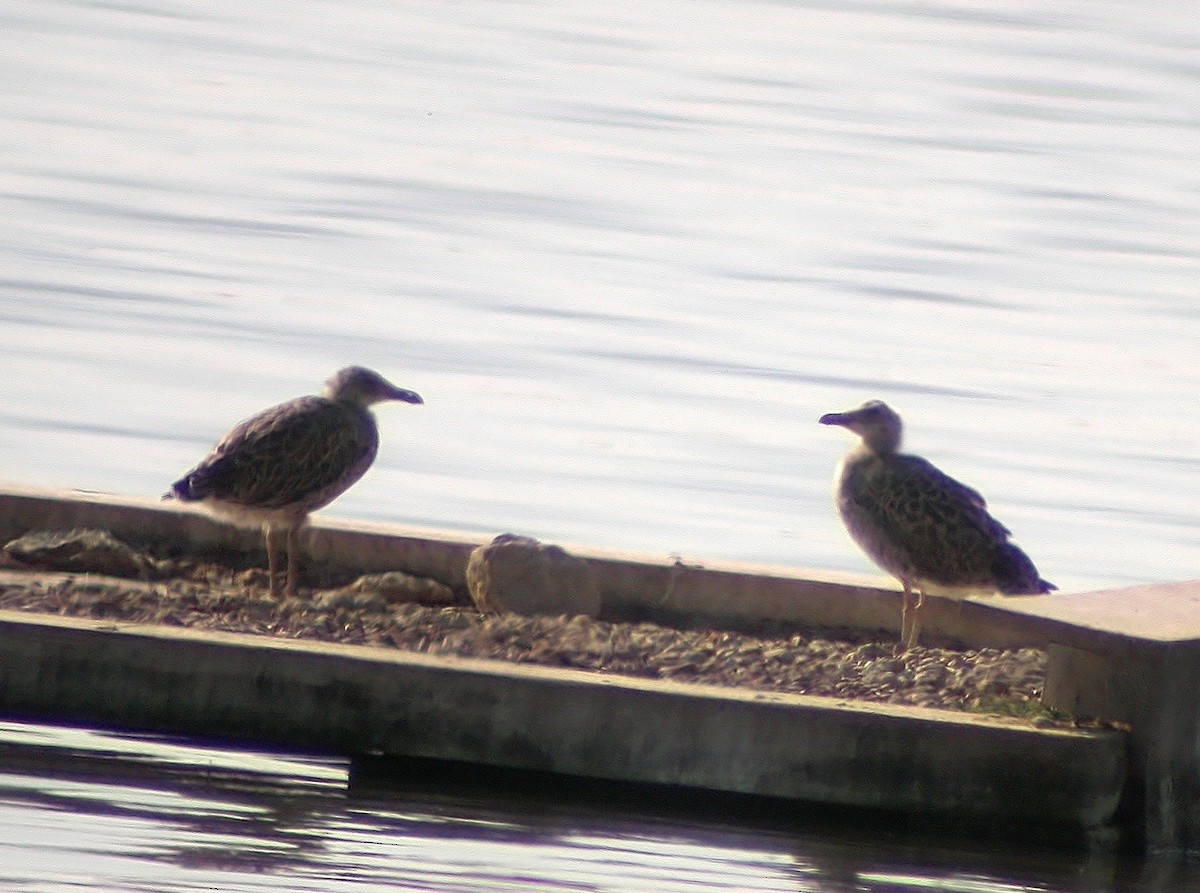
(920, 525)
(276, 467)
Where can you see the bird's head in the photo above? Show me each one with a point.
(875, 422)
(363, 387)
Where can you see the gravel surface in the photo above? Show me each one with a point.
(378, 612)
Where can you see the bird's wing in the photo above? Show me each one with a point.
(283, 455)
(964, 504)
(929, 515)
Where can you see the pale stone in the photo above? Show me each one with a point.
(519, 574)
(80, 550)
(393, 587)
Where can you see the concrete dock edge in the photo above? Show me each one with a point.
(678, 591)
(353, 699)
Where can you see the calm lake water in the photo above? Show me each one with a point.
(628, 253)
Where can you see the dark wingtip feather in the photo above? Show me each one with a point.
(1016, 575)
(181, 490)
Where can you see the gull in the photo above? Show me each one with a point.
(920, 525)
(276, 467)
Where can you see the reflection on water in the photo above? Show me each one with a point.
(88, 810)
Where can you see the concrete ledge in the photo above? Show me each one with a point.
(633, 586)
(364, 700)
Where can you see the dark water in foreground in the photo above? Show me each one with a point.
(85, 810)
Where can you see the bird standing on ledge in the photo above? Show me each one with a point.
(921, 526)
(276, 467)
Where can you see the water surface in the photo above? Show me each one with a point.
(628, 253)
(87, 810)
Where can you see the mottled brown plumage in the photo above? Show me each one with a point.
(926, 529)
(276, 467)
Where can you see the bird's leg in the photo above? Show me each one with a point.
(910, 617)
(914, 627)
(293, 539)
(272, 560)
(904, 617)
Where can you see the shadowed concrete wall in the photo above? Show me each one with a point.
(355, 699)
(1133, 656)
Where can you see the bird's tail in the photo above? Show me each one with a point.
(1015, 574)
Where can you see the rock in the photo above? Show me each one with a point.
(393, 587)
(360, 601)
(83, 551)
(519, 574)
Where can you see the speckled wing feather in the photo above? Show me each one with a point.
(301, 453)
(942, 527)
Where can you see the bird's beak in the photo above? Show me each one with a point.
(406, 396)
(835, 418)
